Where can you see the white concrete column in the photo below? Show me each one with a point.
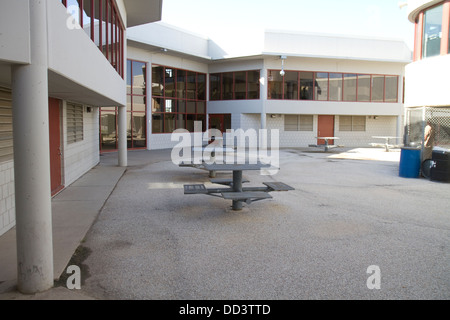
(122, 143)
(122, 116)
(32, 161)
(263, 91)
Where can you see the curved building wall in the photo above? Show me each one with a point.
(427, 99)
(426, 82)
(416, 6)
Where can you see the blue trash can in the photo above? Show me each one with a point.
(410, 162)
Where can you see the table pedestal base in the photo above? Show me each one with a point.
(237, 187)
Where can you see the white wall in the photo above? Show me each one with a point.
(175, 62)
(162, 141)
(236, 65)
(15, 31)
(235, 106)
(382, 126)
(332, 46)
(332, 107)
(169, 37)
(427, 82)
(336, 65)
(80, 157)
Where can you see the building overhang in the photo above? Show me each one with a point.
(333, 46)
(416, 6)
(142, 11)
(156, 48)
(336, 57)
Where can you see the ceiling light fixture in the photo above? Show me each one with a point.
(282, 72)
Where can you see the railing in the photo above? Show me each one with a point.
(101, 20)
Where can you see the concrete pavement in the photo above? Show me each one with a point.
(350, 211)
(74, 210)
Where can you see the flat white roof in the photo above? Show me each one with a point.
(333, 46)
(161, 36)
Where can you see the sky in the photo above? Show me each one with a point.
(238, 25)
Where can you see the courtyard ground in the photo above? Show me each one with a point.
(349, 211)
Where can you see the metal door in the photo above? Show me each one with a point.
(325, 128)
(54, 114)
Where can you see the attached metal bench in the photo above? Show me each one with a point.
(278, 186)
(247, 197)
(226, 181)
(212, 152)
(212, 173)
(191, 165)
(325, 146)
(195, 189)
(387, 147)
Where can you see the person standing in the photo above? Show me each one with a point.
(428, 142)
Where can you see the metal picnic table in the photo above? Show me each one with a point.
(236, 192)
(201, 164)
(327, 146)
(387, 139)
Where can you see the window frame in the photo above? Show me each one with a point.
(6, 134)
(315, 96)
(187, 117)
(106, 111)
(344, 88)
(298, 125)
(424, 40)
(285, 90)
(131, 95)
(340, 85)
(74, 122)
(313, 85)
(231, 96)
(419, 31)
(352, 123)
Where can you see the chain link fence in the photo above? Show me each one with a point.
(418, 118)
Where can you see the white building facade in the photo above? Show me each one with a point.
(346, 87)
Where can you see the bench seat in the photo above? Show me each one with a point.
(244, 196)
(186, 164)
(324, 145)
(278, 186)
(226, 181)
(195, 189)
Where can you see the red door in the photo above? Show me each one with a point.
(325, 128)
(216, 121)
(221, 122)
(54, 114)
